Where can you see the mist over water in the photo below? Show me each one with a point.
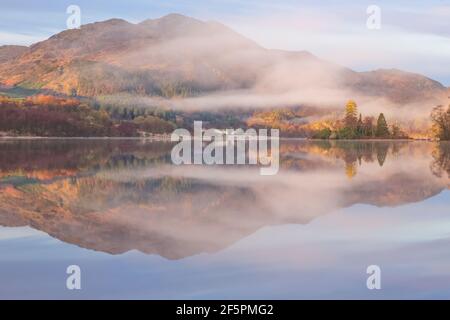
(140, 227)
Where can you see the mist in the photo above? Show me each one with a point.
(224, 70)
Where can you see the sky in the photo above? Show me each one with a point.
(414, 35)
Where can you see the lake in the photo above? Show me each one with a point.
(140, 227)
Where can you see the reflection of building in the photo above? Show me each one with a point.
(216, 131)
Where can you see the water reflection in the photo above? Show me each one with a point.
(118, 195)
(441, 163)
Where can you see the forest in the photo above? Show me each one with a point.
(50, 116)
(441, 122)
(354, 126)
(46, 115)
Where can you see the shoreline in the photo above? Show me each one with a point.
(405, 140)
(83, 138)
(167, 139)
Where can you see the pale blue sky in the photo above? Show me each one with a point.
(415, 35)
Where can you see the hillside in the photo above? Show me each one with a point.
(186, 65)
(8, 53)
(177, 55)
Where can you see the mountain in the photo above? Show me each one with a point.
(114, 55)
(8, 53)
(180, 56)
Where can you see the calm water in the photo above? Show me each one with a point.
(140, 227)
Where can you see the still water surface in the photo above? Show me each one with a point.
(140, 227)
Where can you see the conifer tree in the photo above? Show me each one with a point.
(360, 126)
(382, 127)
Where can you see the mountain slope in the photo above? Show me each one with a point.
(115, 55)
(8, 53)
(181, 56)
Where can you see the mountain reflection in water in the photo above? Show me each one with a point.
(118, 195)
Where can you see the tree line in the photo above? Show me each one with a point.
(354, 126)
(441, 122)
(48, 116)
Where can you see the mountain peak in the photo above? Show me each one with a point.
(171, 18)
(114, 22)
(175, 17)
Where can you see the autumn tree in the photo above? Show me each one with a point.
(154, 124)
(441, 122)
(351, 112)
(382, 127)
(397, 132)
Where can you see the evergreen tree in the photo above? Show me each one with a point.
(368, 129)
(360, 126)
(382, 127)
